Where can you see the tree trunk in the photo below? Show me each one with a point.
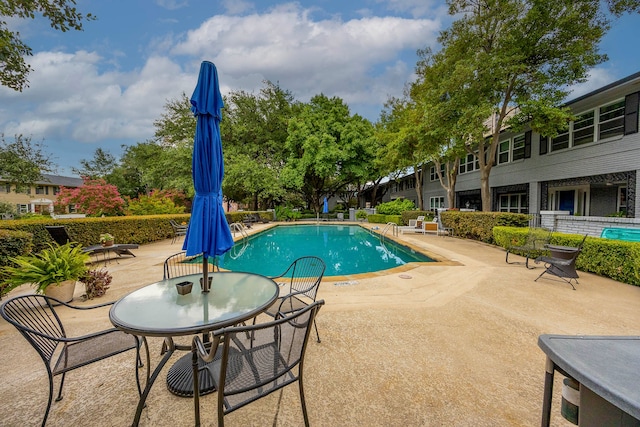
(485, 189)
(417, 172)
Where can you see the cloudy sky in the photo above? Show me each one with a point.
(105, 86)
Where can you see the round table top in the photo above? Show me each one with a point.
(159, 310)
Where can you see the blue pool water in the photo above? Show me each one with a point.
(345, 249)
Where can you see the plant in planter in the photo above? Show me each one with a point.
(96, 283)
(50, 270)
(106, 239)
(361, 214)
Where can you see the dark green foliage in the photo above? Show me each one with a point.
(377, 219)
(616, 259)
(479, 225)
(395, 207)
(12, 244)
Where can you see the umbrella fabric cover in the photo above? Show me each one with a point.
(325, 206)
(208, 231)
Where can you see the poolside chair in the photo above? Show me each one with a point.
(35, 317)
(60, 235)
(562, 267)
(178, 230)
(247, 369)
(299, 285)
(533, 246)
(181, 265)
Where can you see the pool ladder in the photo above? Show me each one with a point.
(238, 227)
(389, 226)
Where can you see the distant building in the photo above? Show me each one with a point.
(591, 169)
(38, 198)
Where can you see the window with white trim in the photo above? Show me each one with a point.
(517, 153)
(583, 129)
(611, 120)
(561, 141)
(503, 151)
(41, 189)
(436, 202)
(469, 164)
(517, 203)
(433, 175)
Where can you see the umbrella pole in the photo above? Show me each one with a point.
(205, 273)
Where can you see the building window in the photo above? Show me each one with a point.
(40, 189)
(517, 203)
(56, 190)
(469, 164)
(583, 129)
(561, 141)
(503, 151)
(518, 147)
(5, 188)
(22, 209)
(611, 120)
(436, 202)
(433, 175)
(410, 184)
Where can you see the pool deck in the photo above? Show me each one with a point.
(436, 344)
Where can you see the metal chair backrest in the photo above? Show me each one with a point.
(37, 320)
(59, 234)
(305, 275)
(272, 359)
(181, 265)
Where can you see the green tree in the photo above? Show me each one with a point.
(513, 60)
(254, 132)
(23, 161)
(156, 203)
(325, 149)
(62, 15)
(135, 173)
(100, 166)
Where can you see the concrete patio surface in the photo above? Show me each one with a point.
(444, 344)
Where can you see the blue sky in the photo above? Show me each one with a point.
(105, 86)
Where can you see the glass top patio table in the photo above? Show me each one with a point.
(158, 310)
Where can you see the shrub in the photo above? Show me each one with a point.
(395, 207)
(361, 214)
(12, 244)
(96, 283)
(156, 203)
(479, 225)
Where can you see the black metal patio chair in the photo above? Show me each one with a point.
(533, 246)
(181, 265)
(35, 317)
(247, 369)
(178, 230)
(299, 283)
(563, 267)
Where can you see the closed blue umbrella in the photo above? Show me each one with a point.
(208, 231)
(325, 206)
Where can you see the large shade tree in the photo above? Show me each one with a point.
(326, 149)
(513, 60)
(62, 15)
(22, 161)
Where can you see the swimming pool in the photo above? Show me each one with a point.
(345, 249)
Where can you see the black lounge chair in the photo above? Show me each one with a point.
(35, 317)
(254, 361)
(534, 246)
(563, 267)
(60, 235)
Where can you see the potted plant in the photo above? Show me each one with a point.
(53, 271)
(361, 214)
(106, 239)
(96, 282)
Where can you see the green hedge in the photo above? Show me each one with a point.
(479, 225)
(12, 243)
(616, 259)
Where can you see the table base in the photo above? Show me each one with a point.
(180, 377)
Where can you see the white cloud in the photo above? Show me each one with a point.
(598, 77)
(346, 59)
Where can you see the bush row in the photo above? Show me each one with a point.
(616, 259)
(479, 225)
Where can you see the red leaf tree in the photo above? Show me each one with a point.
(95, 198)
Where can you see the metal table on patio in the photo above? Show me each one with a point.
(157, 310)
(608, 370)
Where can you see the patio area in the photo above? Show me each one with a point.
(445, 344)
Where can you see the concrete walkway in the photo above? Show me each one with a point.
(444, 344)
